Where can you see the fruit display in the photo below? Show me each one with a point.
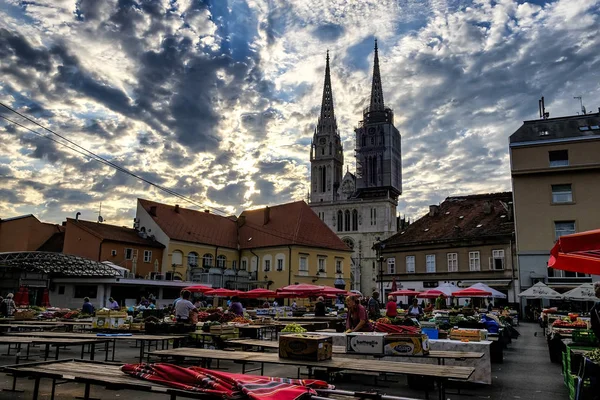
(566, 323)
(203, 316)
(384, 320)
(240, 320)
(227, 317)
(293, 328)
(594, 356)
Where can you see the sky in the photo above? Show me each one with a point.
(218, 99)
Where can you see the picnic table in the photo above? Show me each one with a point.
(27, 327)
(145, 340)
(440, 373)
(48, 342)
(439, 354)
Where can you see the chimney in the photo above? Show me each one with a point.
(177, 208)
(153, 211)
(487, 208)
(241, 221)
(509, 212)
(267, 215)
(434, 210)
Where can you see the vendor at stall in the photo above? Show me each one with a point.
(320, 310)
(236, 307)
(595, 312)
(357, 319)
(184, 307)
(415, 310)
(391, 309)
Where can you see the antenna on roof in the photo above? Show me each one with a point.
(100, 219)
(542, 108)
(580, 98)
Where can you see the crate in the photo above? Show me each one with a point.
(365, 342)
(432, 333)
(406, 345)
(584, 337)
(302, 346)
(24, 315)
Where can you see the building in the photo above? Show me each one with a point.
(464, 240)
(27, 233)
(270, 247)
(124, 247)
(361, 207)
(555, 170)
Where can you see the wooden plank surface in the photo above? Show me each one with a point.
(351, 364)
(26, 322)
(60, 341)
(94, 336)
(342, 350)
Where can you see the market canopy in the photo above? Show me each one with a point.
(301, 288)
(327, 290)
(583, 292)
(258, 293)
(198, 289)
(222, 293)
(57, 264)
(404, 292)
(579, 252)
(494, 293)
(431, 294)
(447, 288)
(541, 291)
(471, 293)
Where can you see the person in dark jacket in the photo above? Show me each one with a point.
(320, 308)
(595, 312)
(87, 308)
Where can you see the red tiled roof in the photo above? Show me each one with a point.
(114, 233)
(289, 224)
(193, 226)
(460, 218)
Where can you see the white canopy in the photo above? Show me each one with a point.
(584, 292)
(447, 288)
(495, 294)
(541, 291)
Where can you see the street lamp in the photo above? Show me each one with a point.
(378, 248)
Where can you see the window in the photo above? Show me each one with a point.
(207, 260)
(410, 264)
(349, 243)
(61, 289)
(430, 263)
(128, 255)
(234, 264)
(452, 262)
(562, 194)
(279, 264)
(497, 260)
(244, 265)
(559, 158)
(221, 261)
(338, 266)
(340, 221)
(267, 265)
(147, 256)
(347, 220)
(391, 265)
(82, 291)
(474, 262)
(321, 265)
(303, 264)
(562, 228)
(193, 259)
(177, 257)
(373, 216)
(354, 220)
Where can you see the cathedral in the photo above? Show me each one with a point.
(360, 207)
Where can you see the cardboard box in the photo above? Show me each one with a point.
(119, 324)
(406, 345)
(302, 346)
(101, 322)
(472, 335)
(365, 342)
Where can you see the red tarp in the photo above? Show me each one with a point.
(579, 252)
(471, 293)
(225, 385)
(22, 297)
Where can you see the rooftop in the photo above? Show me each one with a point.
(460, 218)
(114, 233)
(575, 126)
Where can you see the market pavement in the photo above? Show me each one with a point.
(526, 373)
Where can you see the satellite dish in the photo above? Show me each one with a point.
(100, 219)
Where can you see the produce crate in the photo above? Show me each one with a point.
(365, 342)
(25, 314)
(301, 346)
(223, 329)
(584, 337)
(406, 345)
(472, 335)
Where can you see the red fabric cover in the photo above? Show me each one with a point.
(579, 252)
(225, 385)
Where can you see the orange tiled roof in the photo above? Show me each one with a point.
(114, 233)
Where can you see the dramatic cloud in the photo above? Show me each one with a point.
(218, 99)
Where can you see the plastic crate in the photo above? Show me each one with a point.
(584, 337)
(432, 333)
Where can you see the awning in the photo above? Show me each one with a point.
(500, 283)
(579, 252)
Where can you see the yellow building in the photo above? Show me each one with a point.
(270, 247)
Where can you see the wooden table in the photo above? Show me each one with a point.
(260, 331)
(143, 339)
(56, 342)
(28, 327)
(439, 372)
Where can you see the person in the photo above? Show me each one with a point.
(8, 306)
(595, 312)
(87, 308)
(184, 307)
(440, 302)
(357, 319)
(320, 307)
(229, 301)
(144, 302)
(294, 305)
(429, 307)
(400, 305)
(415, 310)
(266, 304)
(113, 304)
(236, 307)
(179, 298)
(374, 311)
(490, 305)
(391, 309)
(275, 304)
(467, 305)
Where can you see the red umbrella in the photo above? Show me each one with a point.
(431, 294)
(22, 297)
(404, 292)
(198, 289)
(394, 286)
(301, 288)
(327, 290)
(292, 295)
(46, 298)
(258, 294)
(579, 252)
(222, 293)
(471, 293)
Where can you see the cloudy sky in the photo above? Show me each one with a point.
(217, 99)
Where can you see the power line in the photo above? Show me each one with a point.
(93, 156)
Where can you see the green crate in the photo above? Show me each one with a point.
(584, 337)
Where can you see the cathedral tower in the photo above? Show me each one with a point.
(378, 148)
(326, 151)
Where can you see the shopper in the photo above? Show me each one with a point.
(374, 310)
(184, 307)
(595, 312)
(113, 304)
(357, 319)
(415, 310)
(87, 308)
(236, 307)
(8, 306)
(391, 310)
(320, 307)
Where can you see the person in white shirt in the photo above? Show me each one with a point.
(184, 307)
(275, 304)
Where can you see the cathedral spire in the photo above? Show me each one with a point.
(376, 89)
(327, 123)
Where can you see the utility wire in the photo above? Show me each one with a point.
(96, 157)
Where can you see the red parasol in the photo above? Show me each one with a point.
(22, 297)
(198, 289)
(579, 252)
(471, 293)
(431, 294)
(289, 295)
(301, 288)
(222, 293)
(46, 298)
(328, 290)
(258, 294)
(404, 292)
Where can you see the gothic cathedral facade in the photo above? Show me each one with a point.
(360, 207)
